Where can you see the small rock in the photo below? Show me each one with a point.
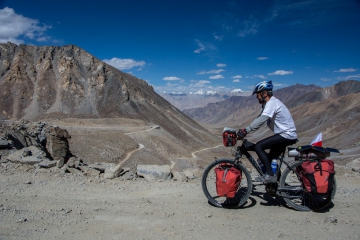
(179, 176)
(21, 220)
(48, 163)
(330, 219)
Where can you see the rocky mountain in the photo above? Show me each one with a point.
(240, 109)
(199, 99)
(52, 82)
(334, 110)
(43, 81)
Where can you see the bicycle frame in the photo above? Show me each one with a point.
(243, 150)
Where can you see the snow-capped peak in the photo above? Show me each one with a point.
(210, 92)
(238, 90)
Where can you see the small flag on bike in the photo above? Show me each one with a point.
(317, 141)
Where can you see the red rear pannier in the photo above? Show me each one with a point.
(229, 138)
(318, 176)
(228, 179)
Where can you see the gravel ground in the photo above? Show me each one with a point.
(48, 204)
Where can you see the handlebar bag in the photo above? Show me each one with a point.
(318, 176)
(229, 138)
(228, 179)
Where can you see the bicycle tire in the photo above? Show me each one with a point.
(298, 198)
(209, 186)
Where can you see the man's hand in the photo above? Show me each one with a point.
(241, 133)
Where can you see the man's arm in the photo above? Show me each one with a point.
(256, 123)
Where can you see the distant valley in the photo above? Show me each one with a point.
(199, 99)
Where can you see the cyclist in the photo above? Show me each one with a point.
(279, 120)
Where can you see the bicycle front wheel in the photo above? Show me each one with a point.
(209, 186)
(294, 194)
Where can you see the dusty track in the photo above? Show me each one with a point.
(51, 205)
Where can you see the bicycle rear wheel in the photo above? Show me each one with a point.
(209, 186)
(292, 190)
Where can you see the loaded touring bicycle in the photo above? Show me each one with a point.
(306, 183)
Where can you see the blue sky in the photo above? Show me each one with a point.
(185, 46)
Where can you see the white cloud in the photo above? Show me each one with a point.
(200, 83)
(250, 27)
(346, 70)
(207, 48)
(311, 13)
(281, 72)
(201, 47)
(43, 39)
(203, 82)
(262, 58)
(210, 72)
(237, 76)
(260, 76)
(194, 86)
(218, 38)
(171, 79)
(13, 27)
(221, 65)
(350, 77)
(236, 80)
(125, 63)
(325, 79)
(219, 76)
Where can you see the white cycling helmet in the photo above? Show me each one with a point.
(263, 86)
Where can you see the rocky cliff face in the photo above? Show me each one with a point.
(47, 82)
(38, 81)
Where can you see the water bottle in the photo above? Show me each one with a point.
(274, 165)
(261, 166)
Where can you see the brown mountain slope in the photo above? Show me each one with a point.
(333, 111)
(190, 100)
(337, 118)
(338, 90)
(241, 110)
(38, 83)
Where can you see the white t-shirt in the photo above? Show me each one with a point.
(280, 120)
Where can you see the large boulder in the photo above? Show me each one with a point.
(354, 165)
(112, 171)
(154, 172)
(57, 143)
(28, 155)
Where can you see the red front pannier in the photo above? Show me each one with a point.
(228, 179)
(229, 137)
(318, 176)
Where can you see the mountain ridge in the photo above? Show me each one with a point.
(186, 100)
(334, 110)
(52, 82)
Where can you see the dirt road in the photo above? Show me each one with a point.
(43, 204)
